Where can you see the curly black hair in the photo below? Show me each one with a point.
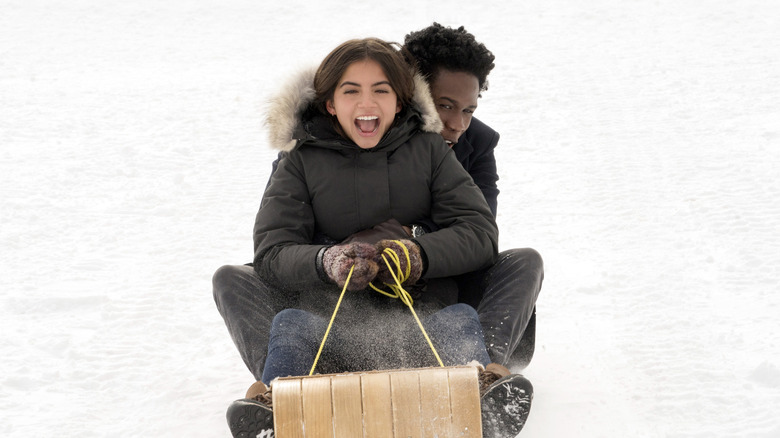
(456, 50)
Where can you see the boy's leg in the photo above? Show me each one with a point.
(511, 288)
(248, 306)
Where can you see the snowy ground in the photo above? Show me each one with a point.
(640, 155)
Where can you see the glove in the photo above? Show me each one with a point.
(414, 262)
(389, 229)
(339, 259)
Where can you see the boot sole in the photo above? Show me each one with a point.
(505, 407)
(249, 419)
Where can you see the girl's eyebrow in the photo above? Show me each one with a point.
(345, 83)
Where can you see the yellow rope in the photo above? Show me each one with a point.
(398, 292)
(330, 324)
(401, 293)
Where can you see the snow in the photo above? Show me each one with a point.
(639, 154)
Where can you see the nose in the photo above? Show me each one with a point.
(367, 101)
(456, 123)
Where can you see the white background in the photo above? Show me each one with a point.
(640, 154)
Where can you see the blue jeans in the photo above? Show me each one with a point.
(376, 342)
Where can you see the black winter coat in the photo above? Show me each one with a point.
(475, 151)
(327, 184)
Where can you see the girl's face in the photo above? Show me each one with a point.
(364, 103)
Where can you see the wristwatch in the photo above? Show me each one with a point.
(417, 230)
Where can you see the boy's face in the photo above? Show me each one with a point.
(455, 95)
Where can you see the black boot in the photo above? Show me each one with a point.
(252, 417)
(505, 405)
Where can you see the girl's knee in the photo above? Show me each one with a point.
(459, 312)
(291, 318)
(464, 309)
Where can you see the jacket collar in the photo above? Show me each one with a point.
(463, 148)
(297, 94)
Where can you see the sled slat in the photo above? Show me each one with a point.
(435, 413)
(377, 406)
(317, 409)
(288, 409)
(405, 393)
(347, 406)
(464, 398)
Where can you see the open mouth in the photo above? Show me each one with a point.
(450, 143)
(367, 125)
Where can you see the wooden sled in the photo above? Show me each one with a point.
(422, 402)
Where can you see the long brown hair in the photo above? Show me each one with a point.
(385, 54)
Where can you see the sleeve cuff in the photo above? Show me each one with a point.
(320, 268)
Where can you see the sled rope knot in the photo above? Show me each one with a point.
(399, 292)
(399, 276)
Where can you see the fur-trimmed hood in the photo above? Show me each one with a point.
(285, 109)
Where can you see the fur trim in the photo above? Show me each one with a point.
(424, 101)
(285, 108)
